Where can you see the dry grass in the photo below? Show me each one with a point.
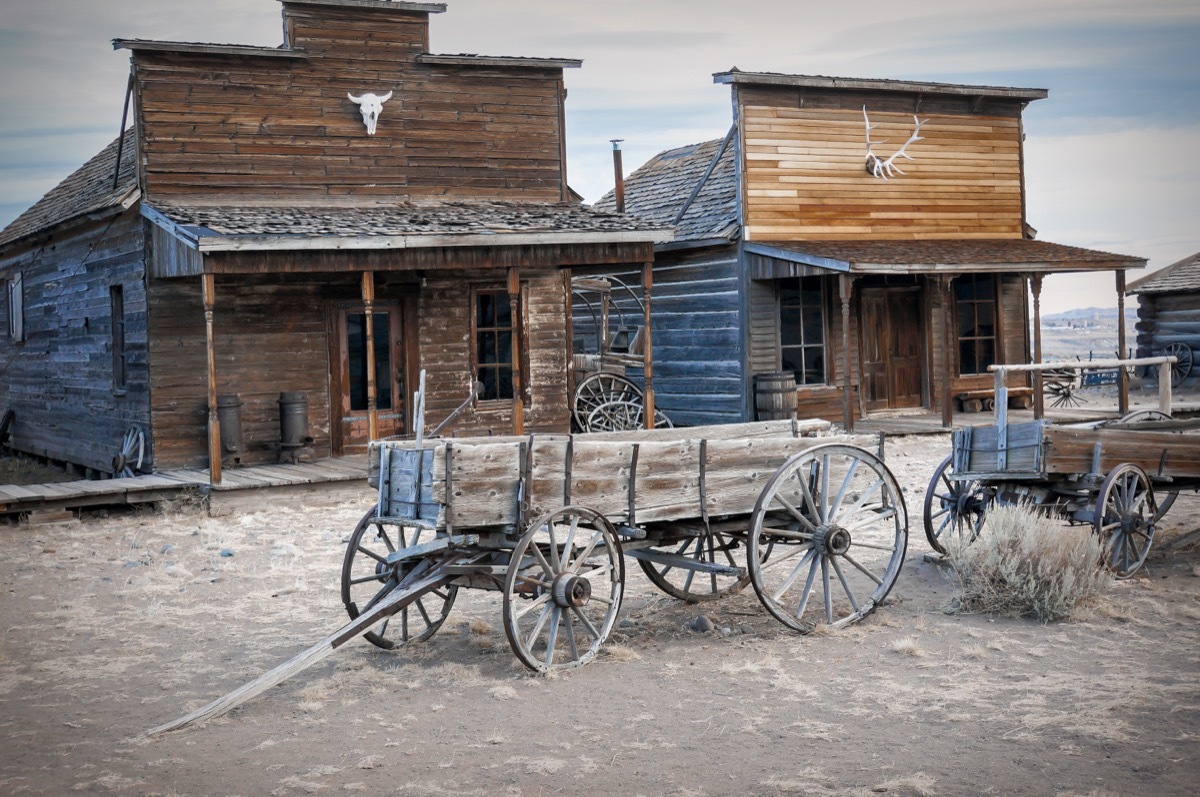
(1023, 564)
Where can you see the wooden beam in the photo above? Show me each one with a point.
(948, 360)
(514, 295)
(844, 288)
(368, 298)
(1122, 374)
(1039, 401)
(209, 291)
(648, 348)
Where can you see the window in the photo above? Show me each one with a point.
(16, 307)
(116, 301)
(802, 329)
(493, 344)
(356, 354)
(975, 300)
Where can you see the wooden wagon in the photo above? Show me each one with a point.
(817, 524)
(1119, 477)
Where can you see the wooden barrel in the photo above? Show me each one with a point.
(775, 396)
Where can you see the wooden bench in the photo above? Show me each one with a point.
(1020, 398)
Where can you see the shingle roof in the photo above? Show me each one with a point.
(1183, 276)
(657, 190)
(405, 217)
(89, 190)
(1023, 254)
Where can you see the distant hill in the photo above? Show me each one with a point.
(1091, 315)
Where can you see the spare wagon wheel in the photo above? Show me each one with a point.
(1182, 367)
(368, 575)
(602, 388)
(129, 453)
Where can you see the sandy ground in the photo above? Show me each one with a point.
(113, 625)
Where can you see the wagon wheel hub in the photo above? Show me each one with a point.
(832, 540)
(571, 590)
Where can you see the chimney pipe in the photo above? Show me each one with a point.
(618, 174)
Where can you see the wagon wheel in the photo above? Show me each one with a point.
(1167, 496)
(1182, 367)
(827, 537)
(1062, 394)
(129, 455)
(367, 577)
(622, 416)
(600, 389)
(563, 589)
(954, 508)
(1125, 512)
(708, 546)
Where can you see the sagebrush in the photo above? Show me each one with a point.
(1023, 564)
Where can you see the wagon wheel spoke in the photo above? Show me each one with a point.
(860, 519)
(368, 576)
(1125, 512)
(559, 590)
(704, 546)
(953, 508)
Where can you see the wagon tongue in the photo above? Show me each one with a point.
(433, 578)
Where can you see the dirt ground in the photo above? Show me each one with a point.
(115, 624)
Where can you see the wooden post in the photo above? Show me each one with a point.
(368, 298)
(844, 288)
(209, 290)
(1164, 388)
(1039, 400)
(948, 363)
(647, 349)
(514, 295)
(1122, 374)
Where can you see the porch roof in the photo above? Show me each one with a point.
(395, 223)
(948, 256)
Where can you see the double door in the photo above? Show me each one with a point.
(893, 352)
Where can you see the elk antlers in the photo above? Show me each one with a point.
(888, 168)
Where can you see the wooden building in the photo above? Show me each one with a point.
(884, 276)
(256, 238)
(1169, 315)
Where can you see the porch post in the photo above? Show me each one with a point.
(947, 353)
(368, 299)
(209, 291)
(1122, 374)
(647, 348)
(1039, 400)
(514, 294)
(844, 288)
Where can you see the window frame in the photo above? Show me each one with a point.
(801, 380)
(974, 303)
(477, 365)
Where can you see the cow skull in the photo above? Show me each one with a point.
(371, 105)
(888, 168)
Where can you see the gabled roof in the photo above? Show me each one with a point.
(735, 75)
(1183, 276)
(658, 189)
(396, 223)
(88, 191)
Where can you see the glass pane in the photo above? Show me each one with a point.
(793, 360)
(790, 315)
(504, 347)
(381, 326)
(506, 383)
(967, 363)
(503, 311)
(814, 365)
(486, 348)
(985, 354)
(488, 377)
(813, 326)
(485, 315)
(966, 320)
(964, 289)
(985, 312)
(356, 354)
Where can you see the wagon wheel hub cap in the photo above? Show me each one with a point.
(572, 590)
(832, 540)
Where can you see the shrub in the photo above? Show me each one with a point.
(1023, 564)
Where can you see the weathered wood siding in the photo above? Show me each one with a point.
(59, 380)
(804, 176)
(270, 335)
(282, 126)
(1167, 318)
(446, 353)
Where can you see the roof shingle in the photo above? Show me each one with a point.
(1183, 277)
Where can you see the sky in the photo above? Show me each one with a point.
(1112, 157)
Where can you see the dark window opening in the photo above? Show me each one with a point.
(116, 296)
(975, 307)
(356, 346)
(16, 307)
(802, 329)
(493, 345)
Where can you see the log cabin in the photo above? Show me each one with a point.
(297, 233)
(1169, 316)
(865, 241)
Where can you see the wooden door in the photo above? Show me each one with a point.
(348, 381)
(892, 348)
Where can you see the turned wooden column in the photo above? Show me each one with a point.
(209, 291)
(514, 308)
(368, 299)
(844, 288)
(947, 351)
